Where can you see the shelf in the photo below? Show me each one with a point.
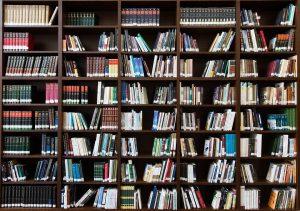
(208, 132)
(90, 27)
(30, 52)
(146, 132)
(269, 132)
(90, 131)
(89, 105)
(149, 27)
(89, 157)
(268, 79)
(148, 79)
(29, 131)
(30, 105)
(213, 79)
(89, 79)
(30, 182)
(149, 183)
(90, 53)
(148, 53)
(11, 78)
(31, 156)
(202, 157)
(269, 106)
(268, 158)
(268, 27)
(266, 183)
(150, 157)
(90, 183)
(204, 183)
(148, 106)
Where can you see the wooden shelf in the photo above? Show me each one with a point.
(48, 42)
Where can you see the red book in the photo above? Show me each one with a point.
(262, 35)
(106, 172)
(200, 198)
(56, 93)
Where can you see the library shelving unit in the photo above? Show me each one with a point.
(48, 41)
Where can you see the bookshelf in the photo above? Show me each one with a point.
(49, 42)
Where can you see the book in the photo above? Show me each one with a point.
(134, 43)
(191, 95)
(186, 67)
(220, 121)
(101, 67)
(165, 41)
(165, 146)
(282, 198)
(130, 197)
(283, 67)
(164, 121)
(224, 95)
(282, 172)
(248, 68)
(286, 16)
(164, 67)
(133, 93)
(134, 66)
(51, 90)
(17, 120)
(250, 198)
(108, 43)
(188, 147)
(105, 171)
(218, 68)
(222, 42)
(49, 145)
(13, 171)
(224, 198)
(30, 15)
(160, 172)
(221, 171)
(129, 146)
(17, 41)
(251, 146)
(188, 43)
(253, 40)
(188, 172)
(140, 16)
(75, 94)
(284, 146)
(76, 146)
(28, 199)
(128, 172)
(217, 16)
(72, 171)
(248, 173)
(46, 170)
(190, 122)
(106, 198)
(16, 145)
(283, 42)
(46, 119)
(165, 95)
(17, 94)
(80, 18)
(249, 93)
(72, 43)
(74, 121)
(31, 66)
(225, 146)
(105, 145)
(250, 18)
(132, 120)
(251, 120)
(163, 198)
(106, 95)
(285, 120)
(192, 198)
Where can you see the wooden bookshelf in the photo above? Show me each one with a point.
(109, 11)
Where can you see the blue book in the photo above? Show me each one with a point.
(154, 191)
(124, 89)
(75, 177)
(155, 120)
(100, 197)
(140, 65)
(136, 67)
(104, 144)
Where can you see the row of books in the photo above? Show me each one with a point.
(23, 120)
(160, 172)
(36, 15)
(140, 17)
(285, 17)
(46, 170)
(106, 171)
(207, 16)
(105, 198)
(280, 94)
(253, 41)
(137, 67)
(17, 41)
(31, 66)
(80, 18)
(75, 94)
(23, 196)
(80, 146)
